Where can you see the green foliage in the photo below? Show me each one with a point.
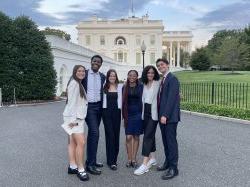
(7, 67)
(232, 53)
(218, 37)
(28, 63)
(200, 60)
(217, 110)
(57, 32)
(223, 42)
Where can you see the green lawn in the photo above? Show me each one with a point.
(213, 76)
(216, 87)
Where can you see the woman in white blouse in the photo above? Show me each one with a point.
(150, 79)
(74, 115)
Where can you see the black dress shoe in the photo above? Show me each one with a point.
(163, 167)
(93, 170)
(113, 167)
(170, 173)
(83, 176)
(98, 164)
(72, 171)
(129, 164)
(134, 164)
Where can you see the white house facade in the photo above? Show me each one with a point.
(122, 39)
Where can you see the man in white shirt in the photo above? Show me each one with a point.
(93, 84)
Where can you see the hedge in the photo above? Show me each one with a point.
(217, 110)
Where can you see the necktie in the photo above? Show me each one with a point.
(159, 93)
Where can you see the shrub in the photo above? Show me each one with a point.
(217, 110)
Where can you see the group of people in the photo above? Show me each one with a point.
(141, 103)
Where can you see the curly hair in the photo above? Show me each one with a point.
(144, 77)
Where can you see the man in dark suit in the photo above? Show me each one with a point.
(169, 116)
(93, 84)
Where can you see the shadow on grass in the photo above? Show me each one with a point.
(230, 73)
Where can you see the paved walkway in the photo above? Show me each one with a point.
(33, 152)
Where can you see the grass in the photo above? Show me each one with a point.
(214, 76)
(196, 87)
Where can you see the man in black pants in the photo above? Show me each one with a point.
(93, 84)
(169, 116)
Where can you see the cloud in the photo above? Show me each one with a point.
(233, 16)
(183, 6)
(58, 12)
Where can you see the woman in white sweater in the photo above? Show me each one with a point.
(74, 115)
(150, 79)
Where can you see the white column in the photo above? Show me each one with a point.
(168, 55)
(171, 54)
(189, 47)
(178, 54)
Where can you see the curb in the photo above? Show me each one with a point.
(222, 118)
(33, 104)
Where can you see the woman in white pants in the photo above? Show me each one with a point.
(74, 116)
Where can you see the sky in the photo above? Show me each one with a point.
(201, 17)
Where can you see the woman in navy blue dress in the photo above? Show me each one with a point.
(132, 111)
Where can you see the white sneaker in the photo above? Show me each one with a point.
(141, 170)
(151, 162)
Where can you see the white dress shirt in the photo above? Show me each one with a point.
(148, 94)
(151, 96)
(94, 86)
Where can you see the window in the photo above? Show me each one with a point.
(138, 58)
(125, 57)
(120, 56)
(120, 40)
(152, 39)
(88, 40)
(115, 56)
(152, 58)
(102, 40)
(165, 55)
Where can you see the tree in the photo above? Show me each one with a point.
(57, 32)
(36, 77)
(200, 60)
(247, 42)
(7, 68)
(216, 41)
(233, 53)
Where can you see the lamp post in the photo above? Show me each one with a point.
(143, 49)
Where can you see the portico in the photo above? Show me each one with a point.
(173, 43)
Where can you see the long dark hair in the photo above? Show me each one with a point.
(125, 97)
(126, 86)
(107, 84)
(144, 77)
(73, 76)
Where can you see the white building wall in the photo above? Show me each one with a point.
(67, 55)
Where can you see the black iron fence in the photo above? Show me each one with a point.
(235, 95)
